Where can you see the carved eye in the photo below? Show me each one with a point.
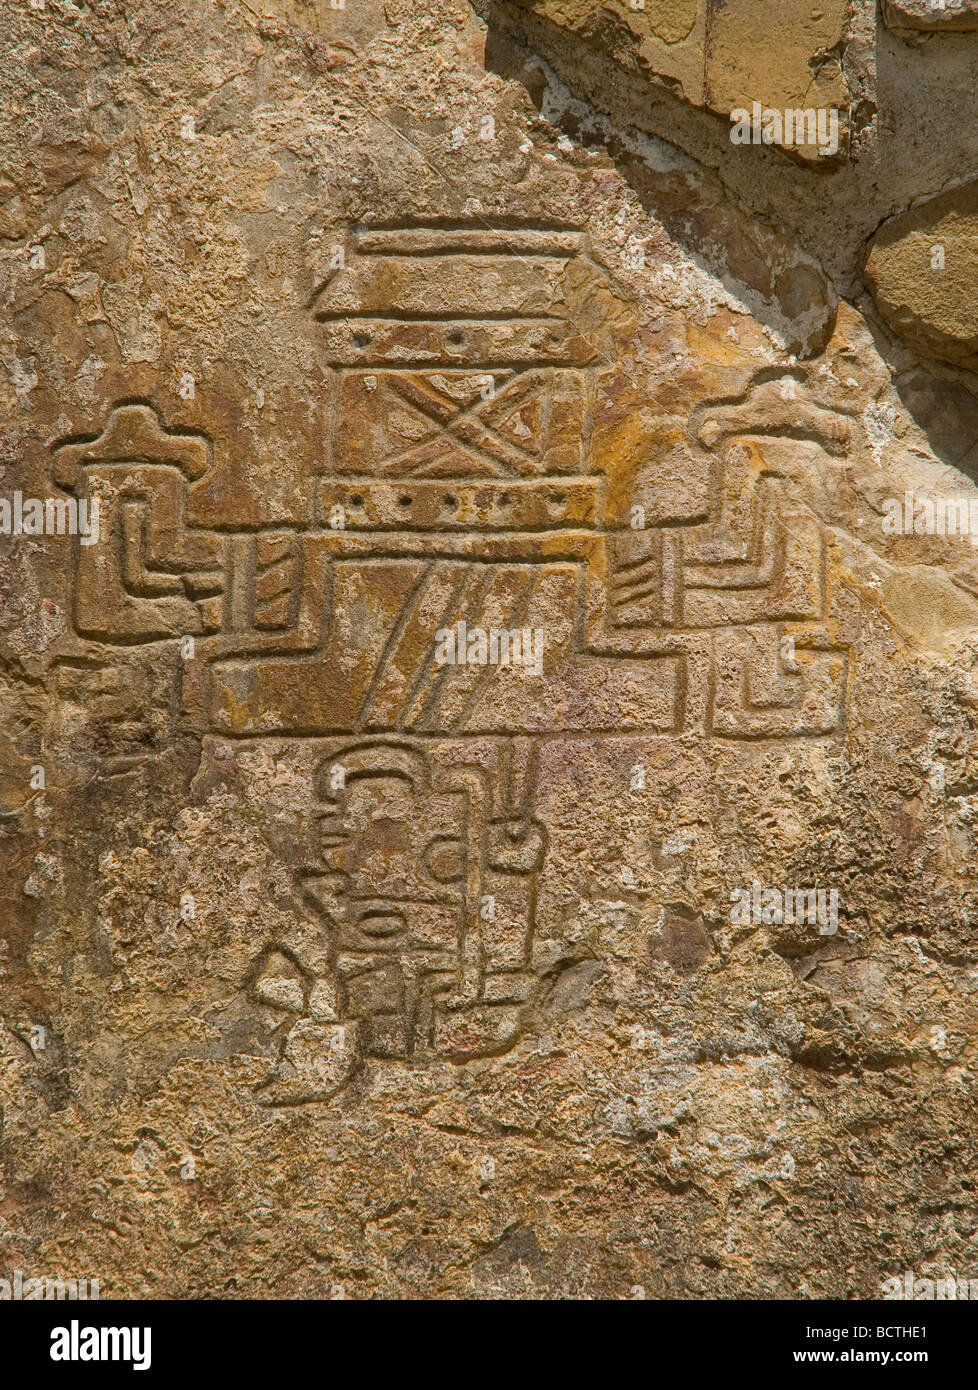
(380, 924)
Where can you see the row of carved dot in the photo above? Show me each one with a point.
(361, 340)
(505, 499)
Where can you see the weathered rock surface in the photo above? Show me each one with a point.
(332, 964)
(922, 267)
(931, 16)
(719, 57)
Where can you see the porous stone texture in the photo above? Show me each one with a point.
(931, 16)
(333, 967)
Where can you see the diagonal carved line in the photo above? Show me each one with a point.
(639, 574)
(390, 646)
(624, 600)
(418, 400)
(445, 424)
(525, 390)
(442, 677)
(627, 566)
(514, 452)
(435, 405)
(447, 619)
(516, 619)
(449, 445)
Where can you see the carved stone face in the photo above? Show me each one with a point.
(396, 879)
